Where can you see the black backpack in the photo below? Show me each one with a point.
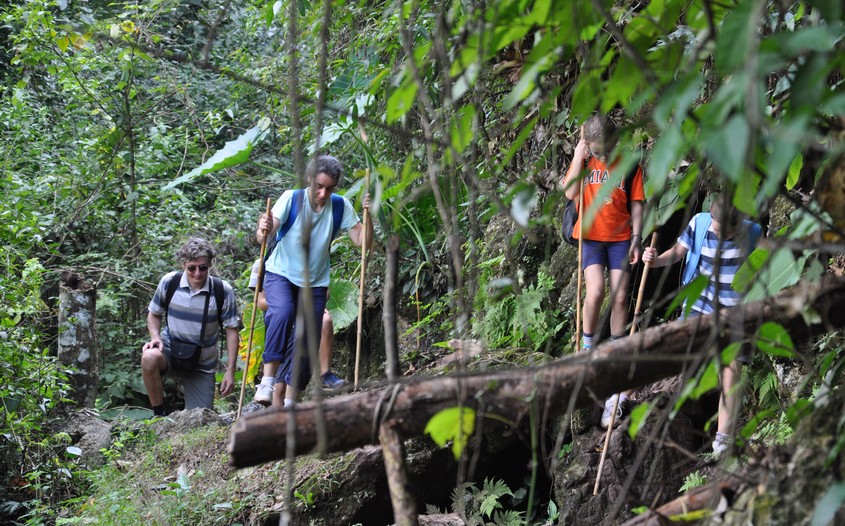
(570, 211)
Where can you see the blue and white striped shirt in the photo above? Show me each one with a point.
(184, 318)
(731, 257)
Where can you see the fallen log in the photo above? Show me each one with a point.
(699, 503)
(353, 420)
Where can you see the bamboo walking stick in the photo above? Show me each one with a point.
(252, 317)
(364, 220)
(616, 401)
(580, 271)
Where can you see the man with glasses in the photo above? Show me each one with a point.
(195, 305)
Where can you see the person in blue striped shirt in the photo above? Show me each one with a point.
(716, 245)
(193, 318)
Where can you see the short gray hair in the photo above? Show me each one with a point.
(195, 248)
(325, 164)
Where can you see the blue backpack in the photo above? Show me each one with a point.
(702, 224)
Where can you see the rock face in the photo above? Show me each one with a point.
(644, 471)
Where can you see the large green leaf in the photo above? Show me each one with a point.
(773, 339)
(455, 424)
(727, 145)
(343, 303)
(735, 36)
(232, 154)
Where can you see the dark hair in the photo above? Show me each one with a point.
(195, 248)
(600, 129)
(324, 164)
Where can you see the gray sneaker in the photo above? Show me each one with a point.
(264, 394)
(607, 414)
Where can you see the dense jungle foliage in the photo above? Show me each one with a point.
(127, 127)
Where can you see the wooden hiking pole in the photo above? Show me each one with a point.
(365, 218)
(258, 286)
(616, 401)
(580, 272)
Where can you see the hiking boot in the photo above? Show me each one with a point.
(332, 381)
(608, 411)
(264, 394)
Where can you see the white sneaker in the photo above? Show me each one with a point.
(264, 394)
(608, 411)
(720, 444)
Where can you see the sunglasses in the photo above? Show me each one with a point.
(193, 268)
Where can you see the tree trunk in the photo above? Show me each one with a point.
(78, 336)
(507, 395)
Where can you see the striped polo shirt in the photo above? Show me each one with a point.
(184, 317)
(731, 257)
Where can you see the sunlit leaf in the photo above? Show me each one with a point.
(639, 414)
(343, 302)
(454, 424)
(232, 154)
(772, 338)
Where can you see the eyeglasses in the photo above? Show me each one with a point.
(193, 268)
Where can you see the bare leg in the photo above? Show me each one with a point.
(326, 343)
(729, 399)
(279, 391)
(594, 295)
(153, 366)
(619, 280)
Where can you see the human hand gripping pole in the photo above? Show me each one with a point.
(646, 266)
(252, 316)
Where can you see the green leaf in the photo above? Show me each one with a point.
(831, 10)
(232, 154)
(401, 100)
(688, 294)
(772, 338)
(665, 156)
(726, 147)
(343, 303)
(708, 380)
(462, 128)
(794, 171)
(638, 419)
(781, 271)
(456, 424)
(626, 80)
(735, 37)
(834, 105)
(750, 428)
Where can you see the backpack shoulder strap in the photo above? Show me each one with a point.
(217, 287)
(295, 205)
(172, 285)
(702, 223)
(338, 207)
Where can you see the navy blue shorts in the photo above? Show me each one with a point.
(608, 254)
(283, 331)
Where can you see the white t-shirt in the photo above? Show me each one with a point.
(288, 258)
